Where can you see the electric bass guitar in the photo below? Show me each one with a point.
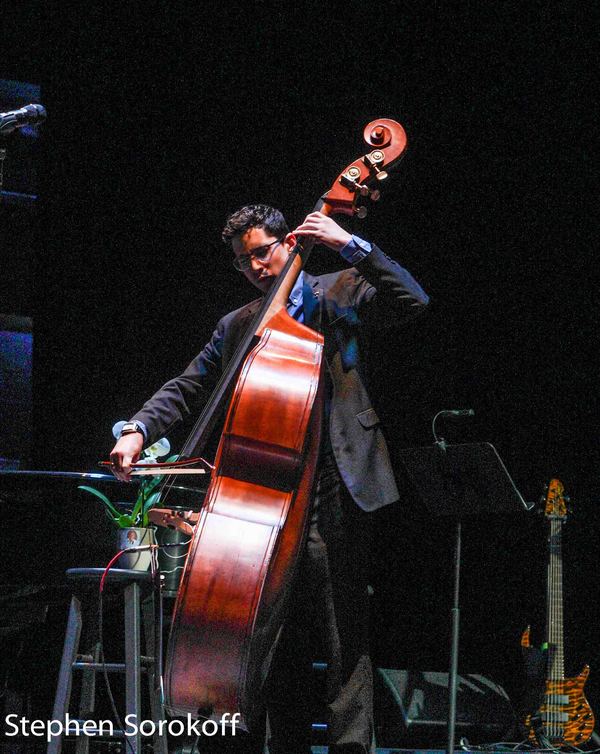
(564, 716)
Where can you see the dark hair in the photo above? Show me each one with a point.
(255, 216)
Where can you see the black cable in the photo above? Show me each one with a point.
(545, 746)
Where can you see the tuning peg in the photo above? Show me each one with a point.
(373, 194)
(373, 160)
(350, 178)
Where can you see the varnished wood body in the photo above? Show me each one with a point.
(246, 544)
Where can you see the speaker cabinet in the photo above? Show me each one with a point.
(411, 709)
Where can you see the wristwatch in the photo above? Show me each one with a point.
(130, 427)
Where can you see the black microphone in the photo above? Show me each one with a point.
(30, 115)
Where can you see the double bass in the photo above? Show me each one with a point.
(246, 543)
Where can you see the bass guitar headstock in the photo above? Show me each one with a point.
(555, 504)
(363, 177)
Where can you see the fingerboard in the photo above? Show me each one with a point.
(554, 618)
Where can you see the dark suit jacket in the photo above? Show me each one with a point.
(378, 292)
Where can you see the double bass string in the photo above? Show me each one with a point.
(198, 437)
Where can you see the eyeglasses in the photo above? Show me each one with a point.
(261, 253)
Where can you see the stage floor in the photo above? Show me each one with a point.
(324, 749)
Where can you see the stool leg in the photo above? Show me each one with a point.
(65, 674)
(87, 703)
(153, 633)
(133, 673)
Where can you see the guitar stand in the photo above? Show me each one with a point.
(459, 482)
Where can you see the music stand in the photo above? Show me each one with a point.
(459, 481)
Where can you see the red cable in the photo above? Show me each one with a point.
(109, 566)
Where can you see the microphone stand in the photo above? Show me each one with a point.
(455, 611)
(457, 482)
(453, 678)
(2, 156)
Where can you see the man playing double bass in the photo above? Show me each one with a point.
(329, 598)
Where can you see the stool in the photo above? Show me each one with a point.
(132, 583)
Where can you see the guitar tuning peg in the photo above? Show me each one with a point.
(360, 212)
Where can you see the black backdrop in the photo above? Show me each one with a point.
(162, 121)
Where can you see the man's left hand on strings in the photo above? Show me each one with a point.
(324, 230)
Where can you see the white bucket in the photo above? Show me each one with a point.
(135, 537)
